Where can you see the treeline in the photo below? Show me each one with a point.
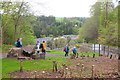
(16, 20)
(102, 26)
(51, 26)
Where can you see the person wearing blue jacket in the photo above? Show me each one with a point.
(74, 51)
(66, 50)
(18, 43)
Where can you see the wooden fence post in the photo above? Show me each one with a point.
(77, 55)
(118, 60)
(70, 72)
(43, 73)
(94, 47)
(111, 56)
(119, 64)
(63, 70)
(35, 74)
(21, 67)
(64, 73)
(108, 52)
(99, 49)
(92, 71)
(81, 70)
(93, 55)
(104, 50)
(54, 66)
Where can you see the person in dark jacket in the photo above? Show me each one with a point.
(18, 43)
(66, 50)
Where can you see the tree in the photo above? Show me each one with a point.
(109, 34)
(90, 27)
(101, 27)
(16, 22)
(43, 25)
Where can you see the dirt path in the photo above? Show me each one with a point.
(58, 55)
(4, 55)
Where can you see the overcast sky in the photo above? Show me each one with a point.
(62, 8)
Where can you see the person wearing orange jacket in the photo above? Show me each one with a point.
(43, 47)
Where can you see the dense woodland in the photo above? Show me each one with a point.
(18, 21)
(53, 27)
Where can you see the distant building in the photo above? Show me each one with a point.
(44, 39)
(59, 38)
(71, 36)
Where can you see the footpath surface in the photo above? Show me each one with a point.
(4, 55)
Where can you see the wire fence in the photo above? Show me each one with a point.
(101, 49)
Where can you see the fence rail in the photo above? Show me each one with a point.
(101, 49)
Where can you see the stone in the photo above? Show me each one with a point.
(14, 52)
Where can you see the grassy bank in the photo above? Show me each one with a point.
(90, 54)
(55, 52)
(12, 64)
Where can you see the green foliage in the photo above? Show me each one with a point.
(108, 33)
(118, 26)
(90, 54)
(28, 39)
(57, 43)
(102, 26)
(5, 48)
(50, 44)
(56, 26)
(68, 40)
(89, 30)
(16, 22)
(75, 30)
(60, 42)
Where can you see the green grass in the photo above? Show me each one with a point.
(11, 64)
(0, 68)
(90, 54)
(80, 54)
(56, 52)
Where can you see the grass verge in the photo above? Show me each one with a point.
(56, 52)
(90, 54)
(12, 64)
